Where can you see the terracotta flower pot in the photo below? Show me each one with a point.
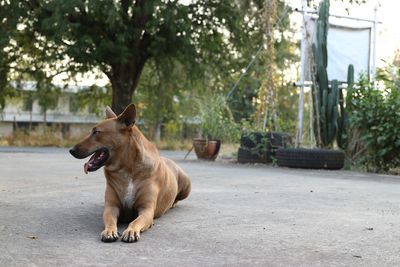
(206, 149)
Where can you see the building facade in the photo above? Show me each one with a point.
(21, 113)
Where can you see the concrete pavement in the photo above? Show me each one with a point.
(237, 215)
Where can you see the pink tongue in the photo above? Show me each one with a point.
(86, 167)
(90, 162)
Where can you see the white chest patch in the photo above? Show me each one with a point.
(129, 198)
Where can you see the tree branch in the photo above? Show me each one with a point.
(34, 3)
(141, 18)
(144, 44)
(125, 6)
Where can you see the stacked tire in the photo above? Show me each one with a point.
(260, 147)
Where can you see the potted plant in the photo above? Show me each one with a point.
(216, 124)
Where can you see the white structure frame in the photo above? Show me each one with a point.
(306, 11)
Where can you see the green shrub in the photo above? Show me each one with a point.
(216, 119)
(375, 122)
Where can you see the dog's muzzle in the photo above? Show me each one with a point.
(96, 161)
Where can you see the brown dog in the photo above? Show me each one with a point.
(140, 183)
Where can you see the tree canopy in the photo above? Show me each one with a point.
(170, 52)
(119, 37)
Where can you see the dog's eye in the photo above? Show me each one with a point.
(95, 132)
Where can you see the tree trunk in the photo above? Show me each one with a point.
(157, 132)
(30, 120)
(121, 97)
(44, 125)
(124, 80)
(45, 117)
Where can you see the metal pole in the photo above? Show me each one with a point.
(265, 117)
(374, 47)
(310, 105)
(299, 133)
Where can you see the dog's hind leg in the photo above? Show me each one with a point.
(184, 186)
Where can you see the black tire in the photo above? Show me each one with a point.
(251, 140)
(269, 139)
(280, 140)
(245, 155)
(310, 158)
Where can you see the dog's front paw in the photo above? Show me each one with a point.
(130, 235)
(109, 235)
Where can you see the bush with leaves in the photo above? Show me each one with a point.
(216, 119)
(375, 119)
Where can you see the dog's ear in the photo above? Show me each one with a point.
(128, 117)
(109, 113)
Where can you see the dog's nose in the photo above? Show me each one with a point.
(78, 153)
(72, 151)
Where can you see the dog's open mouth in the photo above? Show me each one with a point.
(97, 160)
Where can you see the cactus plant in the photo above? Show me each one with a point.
(343, 119)
(325, 96)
